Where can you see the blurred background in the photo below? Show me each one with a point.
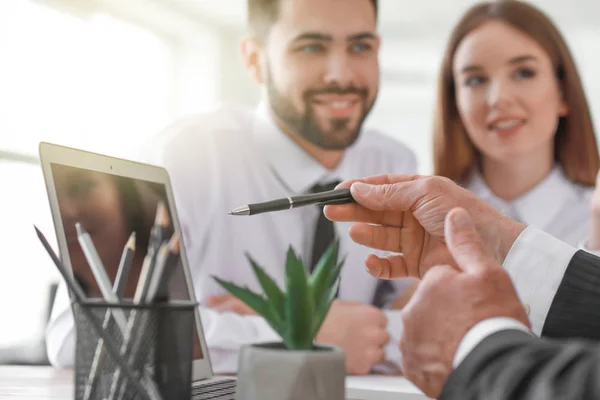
(105, 75)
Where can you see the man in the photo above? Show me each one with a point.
(317, 64)
(465, 329)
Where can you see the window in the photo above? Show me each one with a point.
(82, 78)
(89, 81)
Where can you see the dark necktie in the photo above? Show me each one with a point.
(324, 232)
(385, 293)
(325, 235)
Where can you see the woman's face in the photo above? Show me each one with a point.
(92, 199)
(507, 93)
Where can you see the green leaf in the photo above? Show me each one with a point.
(335, 272)
(257, 303)
(323, 308)
(298, 305)
(324, 273)
(275, 296)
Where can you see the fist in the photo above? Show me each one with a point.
(229, 303)
(359, 330)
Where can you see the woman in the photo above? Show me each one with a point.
(512, 122)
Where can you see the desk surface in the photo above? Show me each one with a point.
(46, 383)
(35, 383)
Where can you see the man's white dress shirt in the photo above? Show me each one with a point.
(234, 156)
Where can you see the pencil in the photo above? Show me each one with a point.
(97, 267)
(118, 287)
(162, 293)
(164, 265)
(152, 391)
(157, 233)
(167, 257)
(124, 266)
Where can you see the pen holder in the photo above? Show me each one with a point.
(155, 340)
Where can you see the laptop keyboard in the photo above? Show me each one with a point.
(220, 390)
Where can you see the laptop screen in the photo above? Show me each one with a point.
(110, 208)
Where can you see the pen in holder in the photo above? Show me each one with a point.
(164, 350)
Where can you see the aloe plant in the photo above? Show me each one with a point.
(297, 314)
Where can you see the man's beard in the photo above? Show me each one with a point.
(338, 137)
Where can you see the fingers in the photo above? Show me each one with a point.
(381, 201)
(376, 237)
(382, 197)
(383, 179)
(465, 243)
(438, 274)
(216, 300)
(229, 303)
(390, 267)
(357, 213)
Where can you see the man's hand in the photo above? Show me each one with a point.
(594, 239)
(405, 214)
(359, 330)
(229, 303)
(448, 302)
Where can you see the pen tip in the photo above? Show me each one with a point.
(131, 241)
(228, 213)
(79, 228)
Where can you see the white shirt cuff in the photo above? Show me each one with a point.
(481, 331)
(393, 357)
(536, 264)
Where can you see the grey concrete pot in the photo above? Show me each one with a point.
(268, 371)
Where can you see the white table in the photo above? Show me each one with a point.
(35, 383)
(381, 387)
(46, 383)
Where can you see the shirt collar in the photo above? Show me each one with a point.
(296, 168)
(539, 206)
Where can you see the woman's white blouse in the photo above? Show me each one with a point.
(556, 205)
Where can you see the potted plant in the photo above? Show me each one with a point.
(296, 367)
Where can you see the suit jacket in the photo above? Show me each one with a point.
(515, 365)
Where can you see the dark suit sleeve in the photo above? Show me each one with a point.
(515, 365)
(575, 310)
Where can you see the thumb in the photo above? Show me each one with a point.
(378, 197)
(465, 243)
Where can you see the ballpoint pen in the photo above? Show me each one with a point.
(337, 196)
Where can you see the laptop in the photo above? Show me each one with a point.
(111, 197)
